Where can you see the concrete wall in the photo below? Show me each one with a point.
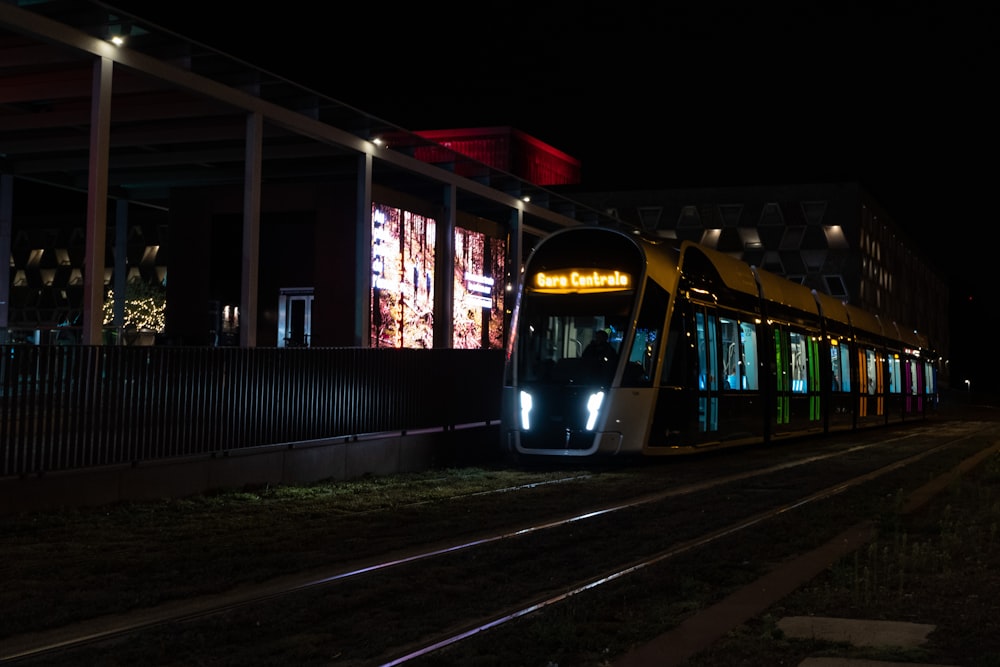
(299, 463)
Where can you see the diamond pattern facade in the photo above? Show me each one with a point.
(834, 238)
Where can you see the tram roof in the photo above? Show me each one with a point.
(776, 289)
(736, 274)
(909, 337)
(832, 308)
(865, 321)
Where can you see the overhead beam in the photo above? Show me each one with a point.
(143, 108)
(44, 28)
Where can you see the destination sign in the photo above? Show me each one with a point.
(566, 281)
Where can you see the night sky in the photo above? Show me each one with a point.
(679, 95)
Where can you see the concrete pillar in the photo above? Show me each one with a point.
(251, 230)
(6, 227)
(512, 280)
(444, 272)
(363, 302)
(97, 202)
(121, 266)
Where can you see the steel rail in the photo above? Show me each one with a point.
(689, 545)
(100, 629)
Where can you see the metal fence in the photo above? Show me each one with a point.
(69, 407)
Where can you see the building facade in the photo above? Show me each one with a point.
(270, 215)
(252, 211)
(834, 238)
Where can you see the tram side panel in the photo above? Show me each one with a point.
(675, 415)
(685, 414)
(710, 392)
(711, 388)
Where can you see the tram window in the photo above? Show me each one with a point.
(748, 355)
(561, 345)
(730, 337)
(895, 379)
(870, 370)
(706, 330)
(798, 362)
(555, 329)
(679, 365)
(739, 354)
(840, 359)
(837, 384)
(645, 344)
(862, 371)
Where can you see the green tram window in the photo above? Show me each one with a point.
(796, 358)
(812, 358)
(781, 356)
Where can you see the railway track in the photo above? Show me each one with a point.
(441, 603)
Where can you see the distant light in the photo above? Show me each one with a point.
(378, 141)
(526, 198)
(117, 40)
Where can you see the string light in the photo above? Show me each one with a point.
(145, 306)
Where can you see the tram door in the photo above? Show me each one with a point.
(706, 327)
(295, 317)
(871, 385)
(797, 397)
(914, 386)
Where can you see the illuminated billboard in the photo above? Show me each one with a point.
(403, 261)
(479, 291)
(402, 296)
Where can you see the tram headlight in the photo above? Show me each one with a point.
(525, 410)
(593, 405)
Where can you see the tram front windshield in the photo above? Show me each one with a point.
(561, 337)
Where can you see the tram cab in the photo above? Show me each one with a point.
(561, 397)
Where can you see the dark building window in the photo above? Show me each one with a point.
(835, 286)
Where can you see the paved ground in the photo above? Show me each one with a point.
(701, 630)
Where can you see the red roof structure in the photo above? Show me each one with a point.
(506, 149)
